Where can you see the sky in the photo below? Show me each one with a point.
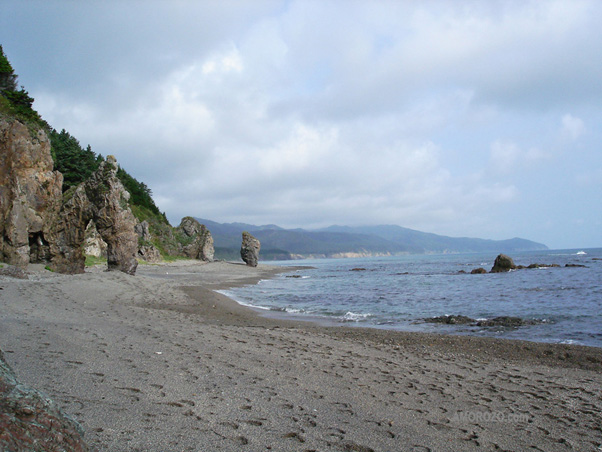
(471, 118)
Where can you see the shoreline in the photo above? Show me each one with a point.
(563, 355)
(159, 361)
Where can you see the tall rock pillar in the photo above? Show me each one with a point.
(249, 250)
(102, 199)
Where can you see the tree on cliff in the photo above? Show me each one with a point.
(8, 78)
(15, 102)
(75, 162)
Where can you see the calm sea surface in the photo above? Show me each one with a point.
(399, 292)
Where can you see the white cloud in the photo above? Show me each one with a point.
(504, 155)
(304, 112)
(229, 61)
(572, 127)
(507, 156)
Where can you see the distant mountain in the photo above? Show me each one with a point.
(347, 241)
(432, 243)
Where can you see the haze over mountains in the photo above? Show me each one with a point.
(347, 241)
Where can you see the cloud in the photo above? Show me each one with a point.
(572, 127)
(435, 114)
(507, 156)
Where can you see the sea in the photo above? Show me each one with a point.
(400, 292)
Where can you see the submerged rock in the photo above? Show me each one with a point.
(450, 319)
(505, 321)
(478, 271)
(249, 250)
(30, 421)
(502, 264)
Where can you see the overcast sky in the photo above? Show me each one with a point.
(468, 118)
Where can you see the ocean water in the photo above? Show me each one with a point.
(399, 292)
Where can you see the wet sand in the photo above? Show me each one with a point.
(161, 362)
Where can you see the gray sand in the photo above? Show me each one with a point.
(160, 362)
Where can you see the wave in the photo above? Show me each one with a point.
(355, 317)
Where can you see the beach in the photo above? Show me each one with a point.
(161, 362)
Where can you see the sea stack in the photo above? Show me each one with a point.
(249, 250)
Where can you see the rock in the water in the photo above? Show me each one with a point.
(451, 320)
(249, 250)
(504, 321)
(478, 271)
(29, 421)
(30, 194)
(503, 263)
(102, 199)
(507, 321)
(201, 245)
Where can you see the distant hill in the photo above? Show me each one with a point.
(347, 241)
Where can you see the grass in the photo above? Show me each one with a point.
(91, 261)
(168, 258)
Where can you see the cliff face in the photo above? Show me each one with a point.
(39, 224)
(30, 194)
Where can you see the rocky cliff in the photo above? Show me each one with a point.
(30, 194)
(40, 224)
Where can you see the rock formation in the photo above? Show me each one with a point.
(29, 421)
(40, 224)
(249, 250)
(201, 241)
(478, 271)
(501, 321)
(30, 194)
(146, 250)
(94, 245)
(102, 199)
(503, 263)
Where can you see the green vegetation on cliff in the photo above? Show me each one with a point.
(16, 102)
(77, 163)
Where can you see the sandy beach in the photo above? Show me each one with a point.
(161, 362)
